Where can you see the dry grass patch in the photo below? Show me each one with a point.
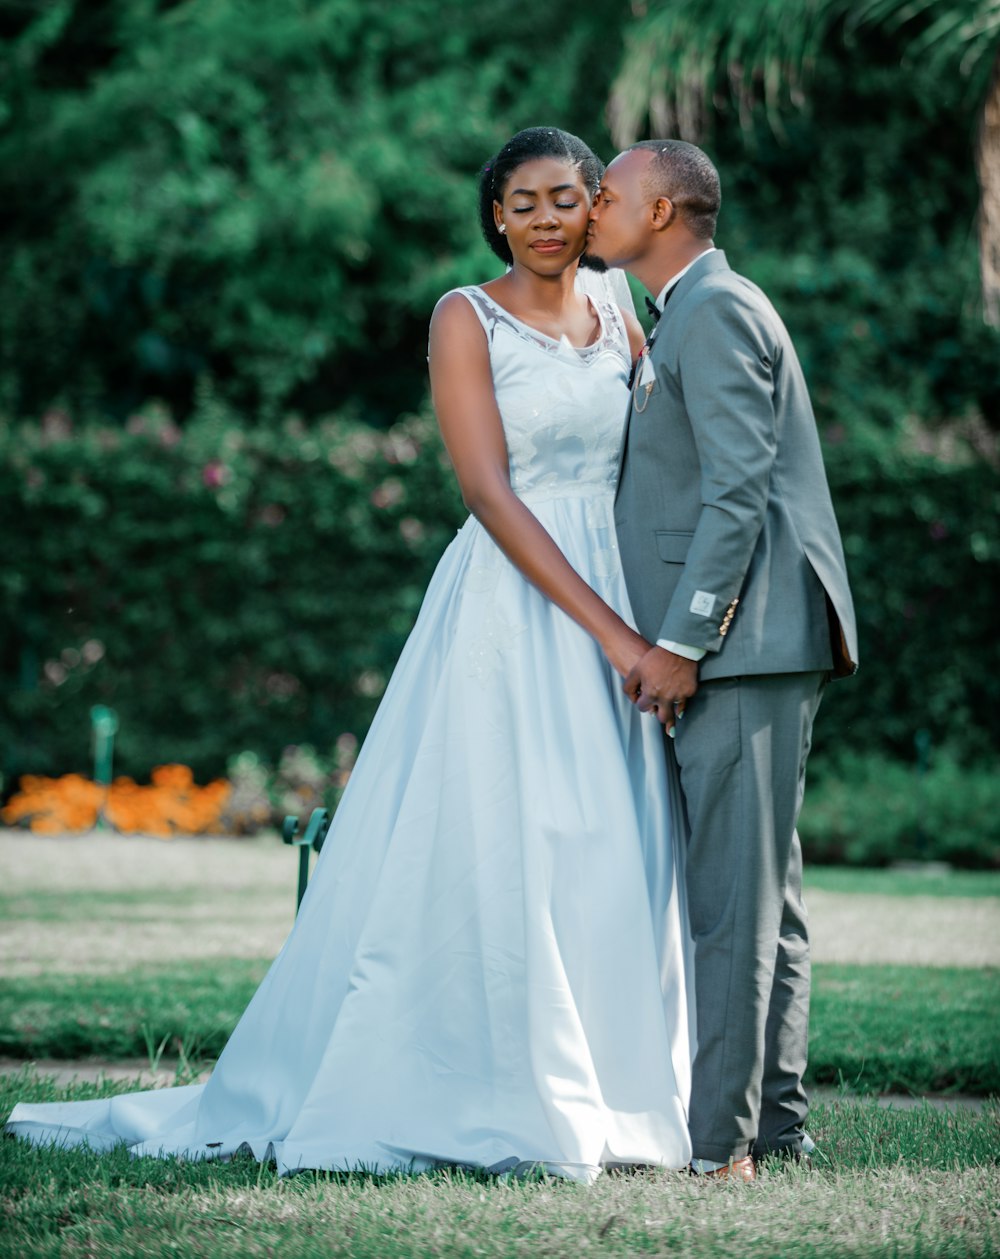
(105, 903)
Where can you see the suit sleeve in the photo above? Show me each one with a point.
(726, 376)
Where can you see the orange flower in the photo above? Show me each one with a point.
(171, 804)
(55, 805)
(177, 777)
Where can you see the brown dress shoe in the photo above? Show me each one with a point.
(741, 1169)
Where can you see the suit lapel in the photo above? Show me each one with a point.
(714, 261)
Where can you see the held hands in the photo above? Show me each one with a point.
(662, 683)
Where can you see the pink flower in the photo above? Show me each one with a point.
(214, 474)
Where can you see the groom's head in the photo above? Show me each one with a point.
(657, 196)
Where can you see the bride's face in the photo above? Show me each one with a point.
(544, 214)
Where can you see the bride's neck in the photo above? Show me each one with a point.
(543, 292)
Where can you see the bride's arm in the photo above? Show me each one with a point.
(462, 389)
(636, 336)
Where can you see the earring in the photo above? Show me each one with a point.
(502, 229)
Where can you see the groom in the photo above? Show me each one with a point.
(734, 568)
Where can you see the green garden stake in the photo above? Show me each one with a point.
(319, 824)
(104, 722)
(922, 741)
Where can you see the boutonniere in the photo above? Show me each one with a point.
(643, 380)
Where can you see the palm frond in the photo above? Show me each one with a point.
(962, 35)
(683, 56)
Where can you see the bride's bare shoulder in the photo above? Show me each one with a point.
(457, 330)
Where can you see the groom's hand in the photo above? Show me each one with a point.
(662, 683)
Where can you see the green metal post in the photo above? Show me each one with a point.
(104, 724)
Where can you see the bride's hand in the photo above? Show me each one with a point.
(624, 648)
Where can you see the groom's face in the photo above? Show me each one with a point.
(620, 221)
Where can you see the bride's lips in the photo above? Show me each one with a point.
(548, 246)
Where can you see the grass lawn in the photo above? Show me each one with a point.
(905, 1029)
(874, 1028)
(930, 880)
(915, 1183)
(123, 948)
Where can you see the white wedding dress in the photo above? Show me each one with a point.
(489, 966)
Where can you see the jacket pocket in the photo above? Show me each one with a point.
(673, 547)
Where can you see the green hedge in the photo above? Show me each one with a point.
(223, 589)
(229, 589)
(922, 537)
(870, 810)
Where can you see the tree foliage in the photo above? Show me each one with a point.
(270, 196)
(682, 57)
(685, 57)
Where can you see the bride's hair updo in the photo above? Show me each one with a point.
(526, 146)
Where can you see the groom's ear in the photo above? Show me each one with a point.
(662, 213)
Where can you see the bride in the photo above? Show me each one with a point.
(488, 968)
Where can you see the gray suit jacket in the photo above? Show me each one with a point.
(726, 528)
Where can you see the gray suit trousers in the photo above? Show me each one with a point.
(742, 748)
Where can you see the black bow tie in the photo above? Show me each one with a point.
(652, 307)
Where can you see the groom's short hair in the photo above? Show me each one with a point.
(684, 174)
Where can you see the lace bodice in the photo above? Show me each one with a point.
(562, 408)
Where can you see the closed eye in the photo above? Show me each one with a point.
(560, 205)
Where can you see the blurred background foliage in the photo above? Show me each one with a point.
(221, 587)
(270, 197)
(225, 224)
